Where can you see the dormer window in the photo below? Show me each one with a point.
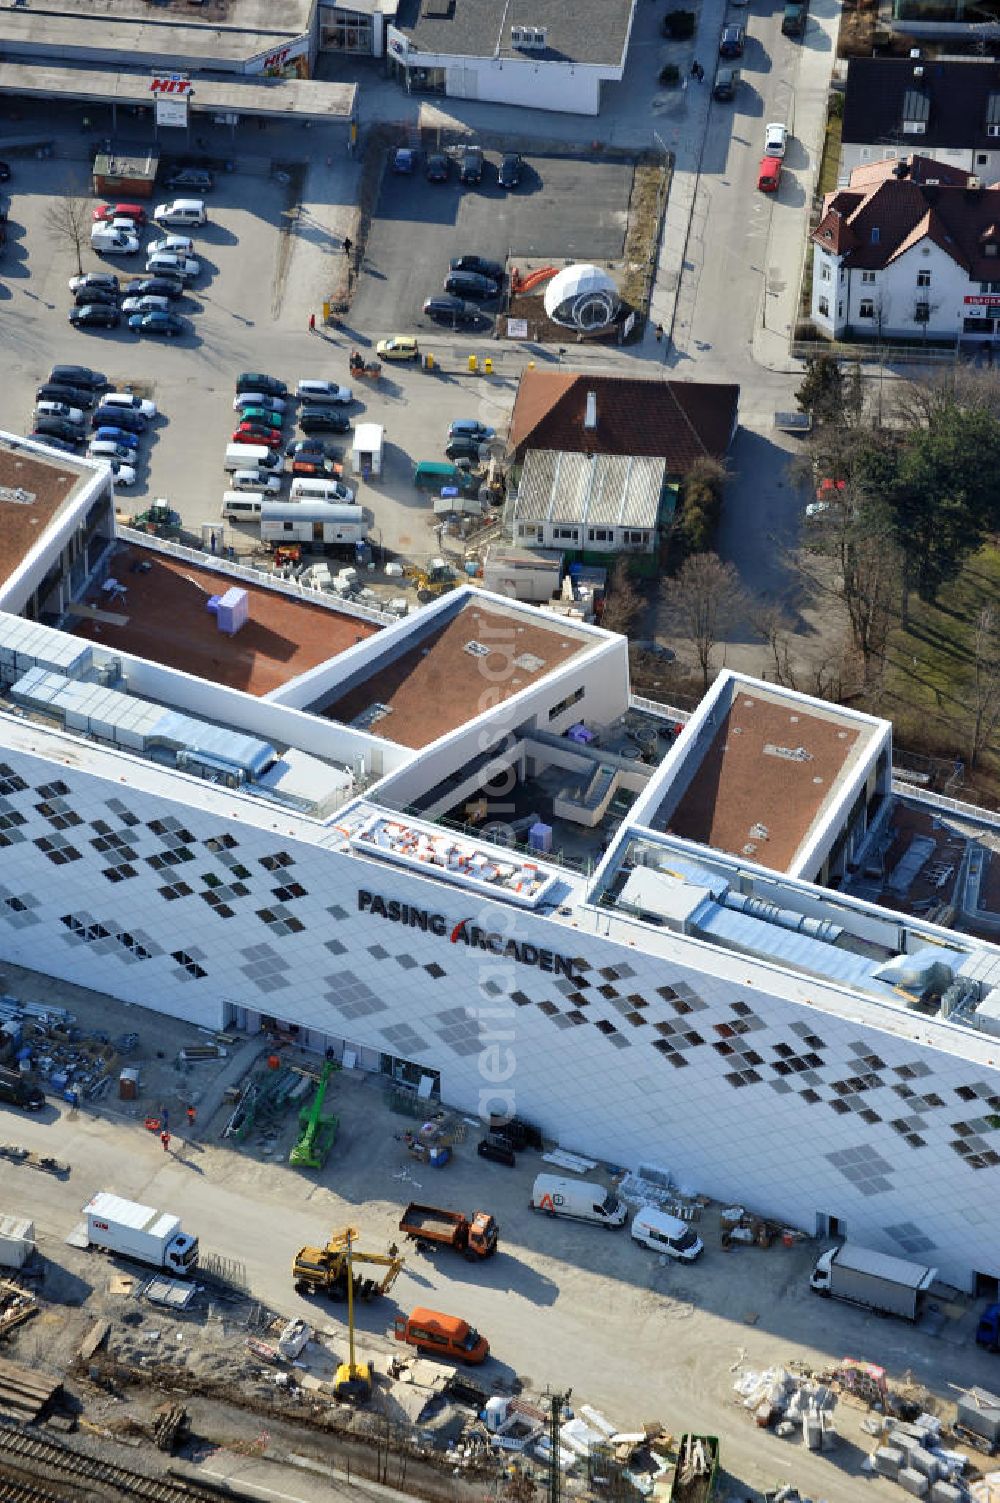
(876, 234)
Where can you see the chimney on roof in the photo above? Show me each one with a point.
(590, 412)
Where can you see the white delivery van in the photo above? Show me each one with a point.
(321, 490)
(240, 507)
(181, 211)
(580, 1198)
(250, 457)
(366, 450)
(666, 1234)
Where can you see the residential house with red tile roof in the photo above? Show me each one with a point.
(908, 250)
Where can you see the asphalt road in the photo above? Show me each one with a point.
(567, 208)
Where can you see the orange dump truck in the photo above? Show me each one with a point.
(476, 1235)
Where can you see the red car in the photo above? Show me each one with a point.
(104, 213)
(253, 433)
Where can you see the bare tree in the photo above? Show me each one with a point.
(703, 602)
(68, 220)
(984, 699)
(623, 602)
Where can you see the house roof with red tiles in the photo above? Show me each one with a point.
(678, 421)
(883, 213)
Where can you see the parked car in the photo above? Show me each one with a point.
(120, 436)
(88, 295)
(256, 480)
(249, 433)
(511, 170)
(469, 284)
(165, 263)
(108, 241)
(323, 391)
(107, 212)
(171, 287)
(49, 408)
(182, 211)
(727, 81)
(732, 41)
(73, 396)
(769, 174)
(323, 420)
(94, 279)
(253, 381)
(461, 448)
(166, 324)
(312, 447)
(471, 428)
(404, 160)
(54, 443)
(124, 474)
(79, 375)
(258, 399)
(100, 448)
(265, 416)
(122, 417)
(451, 310)
(775, 139)
(399, 347)
(438, 169)
(128, 401)
(480, 265)
(57, 427)
(94, 316)
(198, 178)
(471, 168)
(170, 245)
(313, 467)
(146, 304)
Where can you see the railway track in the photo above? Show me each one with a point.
(86, 1476)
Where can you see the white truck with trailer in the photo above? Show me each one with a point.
(140, 1232)
(875, 1281)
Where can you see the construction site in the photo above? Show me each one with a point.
(268, 1333)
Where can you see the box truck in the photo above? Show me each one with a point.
(581, 1199)
(873, 1280)
(140, 1232)
(15, 1090)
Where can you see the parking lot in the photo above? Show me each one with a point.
(565, 209)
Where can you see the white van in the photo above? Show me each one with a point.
(239, 507)
(250, 457)
(181, 211)
(112, 242)
(256, 480)
(662, 1233)
(321, 490)
(580, 1198)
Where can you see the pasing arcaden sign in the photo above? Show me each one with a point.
(465, 932)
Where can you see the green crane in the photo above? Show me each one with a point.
(317, 1134)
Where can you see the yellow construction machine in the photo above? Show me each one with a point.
(353, 1380)
(433, 581)
(332, 1270)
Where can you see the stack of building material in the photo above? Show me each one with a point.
(25, 1393)
(171, 1426)
(791, 1403)
(16, 1306)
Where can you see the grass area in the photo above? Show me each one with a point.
(643, 231)
(831, 155)
(930, 668)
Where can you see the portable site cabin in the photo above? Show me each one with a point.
(366, 450)
(314, 523)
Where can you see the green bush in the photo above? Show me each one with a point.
(679, 25)
(670, 75)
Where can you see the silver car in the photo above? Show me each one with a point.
(146, 304)
(168, 265)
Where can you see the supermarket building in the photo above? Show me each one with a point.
(741, 951)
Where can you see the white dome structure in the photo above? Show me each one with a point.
(582, 297)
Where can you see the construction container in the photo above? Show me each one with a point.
(979, 1412)
(17, 1241)
(128, 1084)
